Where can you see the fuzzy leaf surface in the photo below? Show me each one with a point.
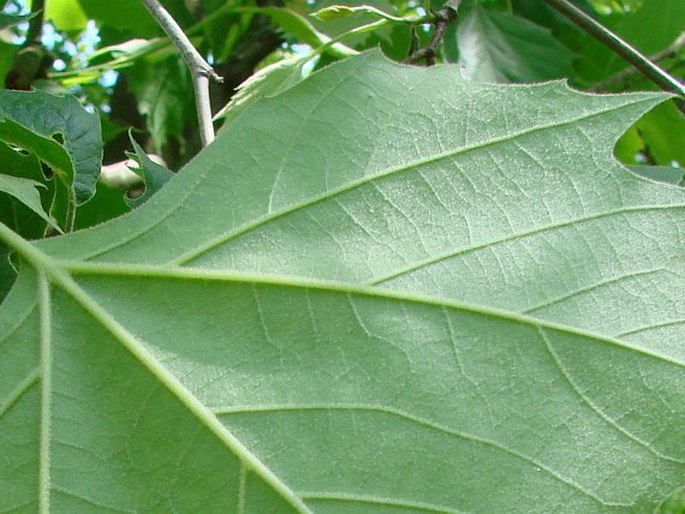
(385, 289)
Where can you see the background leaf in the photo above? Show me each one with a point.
(668, 15)
(66, 14)
(9, 20)
(33, 119)
(26, 191)
(496, 47)
(498, 367)
(153, 174)
(161, 89)
(131, 15)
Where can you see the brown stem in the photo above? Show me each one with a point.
(36, 23)
(443, 18)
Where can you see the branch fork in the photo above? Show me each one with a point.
(200, 69)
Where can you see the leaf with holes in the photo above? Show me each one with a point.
(64, 136)
(383, 290)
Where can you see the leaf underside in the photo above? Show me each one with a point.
(384, 290)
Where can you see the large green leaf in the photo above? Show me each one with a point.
(384, 290)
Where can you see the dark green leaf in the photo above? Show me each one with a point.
(674, 503)
(9, 20)
(153, 174)
(164, 93)
(659, 131)
(649, 29)
(26, 191)
(108, 203)
(60, 132)
(7, 53)
(15, 214)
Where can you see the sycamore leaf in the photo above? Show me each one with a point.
(383, 290)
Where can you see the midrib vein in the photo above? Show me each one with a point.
(198, 274)
(62, 279)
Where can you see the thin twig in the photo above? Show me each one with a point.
(650, 70)
(200, 69)
(442, 19)
(36, 22)
(623, 75)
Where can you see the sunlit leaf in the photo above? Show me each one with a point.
(386, 289)
(496, 47)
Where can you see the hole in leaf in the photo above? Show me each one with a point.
(48, 173)
(19, 150)
(136, 191)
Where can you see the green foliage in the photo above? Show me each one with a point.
(154, 175)
(8, 20)
(63, 136)
(26, 191)
(674, 504)
(125, 15)
(66, 14)
(161, 89)
(383, 288)
(326, 310)
(495, 47)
